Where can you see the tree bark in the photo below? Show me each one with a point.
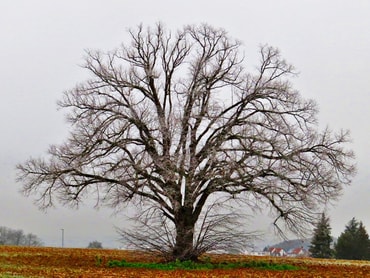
(184, 249)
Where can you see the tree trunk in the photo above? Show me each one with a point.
(184, 249)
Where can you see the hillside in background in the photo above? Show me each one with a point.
(291, 244)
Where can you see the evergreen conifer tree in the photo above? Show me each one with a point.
(321, 241)
(353, 243)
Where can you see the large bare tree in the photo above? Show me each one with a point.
(173, 122)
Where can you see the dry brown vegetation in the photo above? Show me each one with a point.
(69, 262)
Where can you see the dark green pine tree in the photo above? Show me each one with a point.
(363, 246)
(321, 241)
(353, 243)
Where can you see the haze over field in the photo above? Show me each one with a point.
(43, 44)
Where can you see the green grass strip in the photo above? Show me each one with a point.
(190, 265)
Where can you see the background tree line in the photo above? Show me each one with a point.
(10, 236)
(352, 244)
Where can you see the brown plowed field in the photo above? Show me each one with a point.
(69, 262)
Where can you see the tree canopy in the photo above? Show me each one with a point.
(95, 244)
(174, 123)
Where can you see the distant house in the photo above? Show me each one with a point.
(298, 252)
(277, 252)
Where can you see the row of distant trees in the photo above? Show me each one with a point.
(10, 236)
(352, 244)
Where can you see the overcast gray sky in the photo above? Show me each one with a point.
(42, 44)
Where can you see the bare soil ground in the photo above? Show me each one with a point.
(70, 262)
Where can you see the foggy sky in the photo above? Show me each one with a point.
(42, 46)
